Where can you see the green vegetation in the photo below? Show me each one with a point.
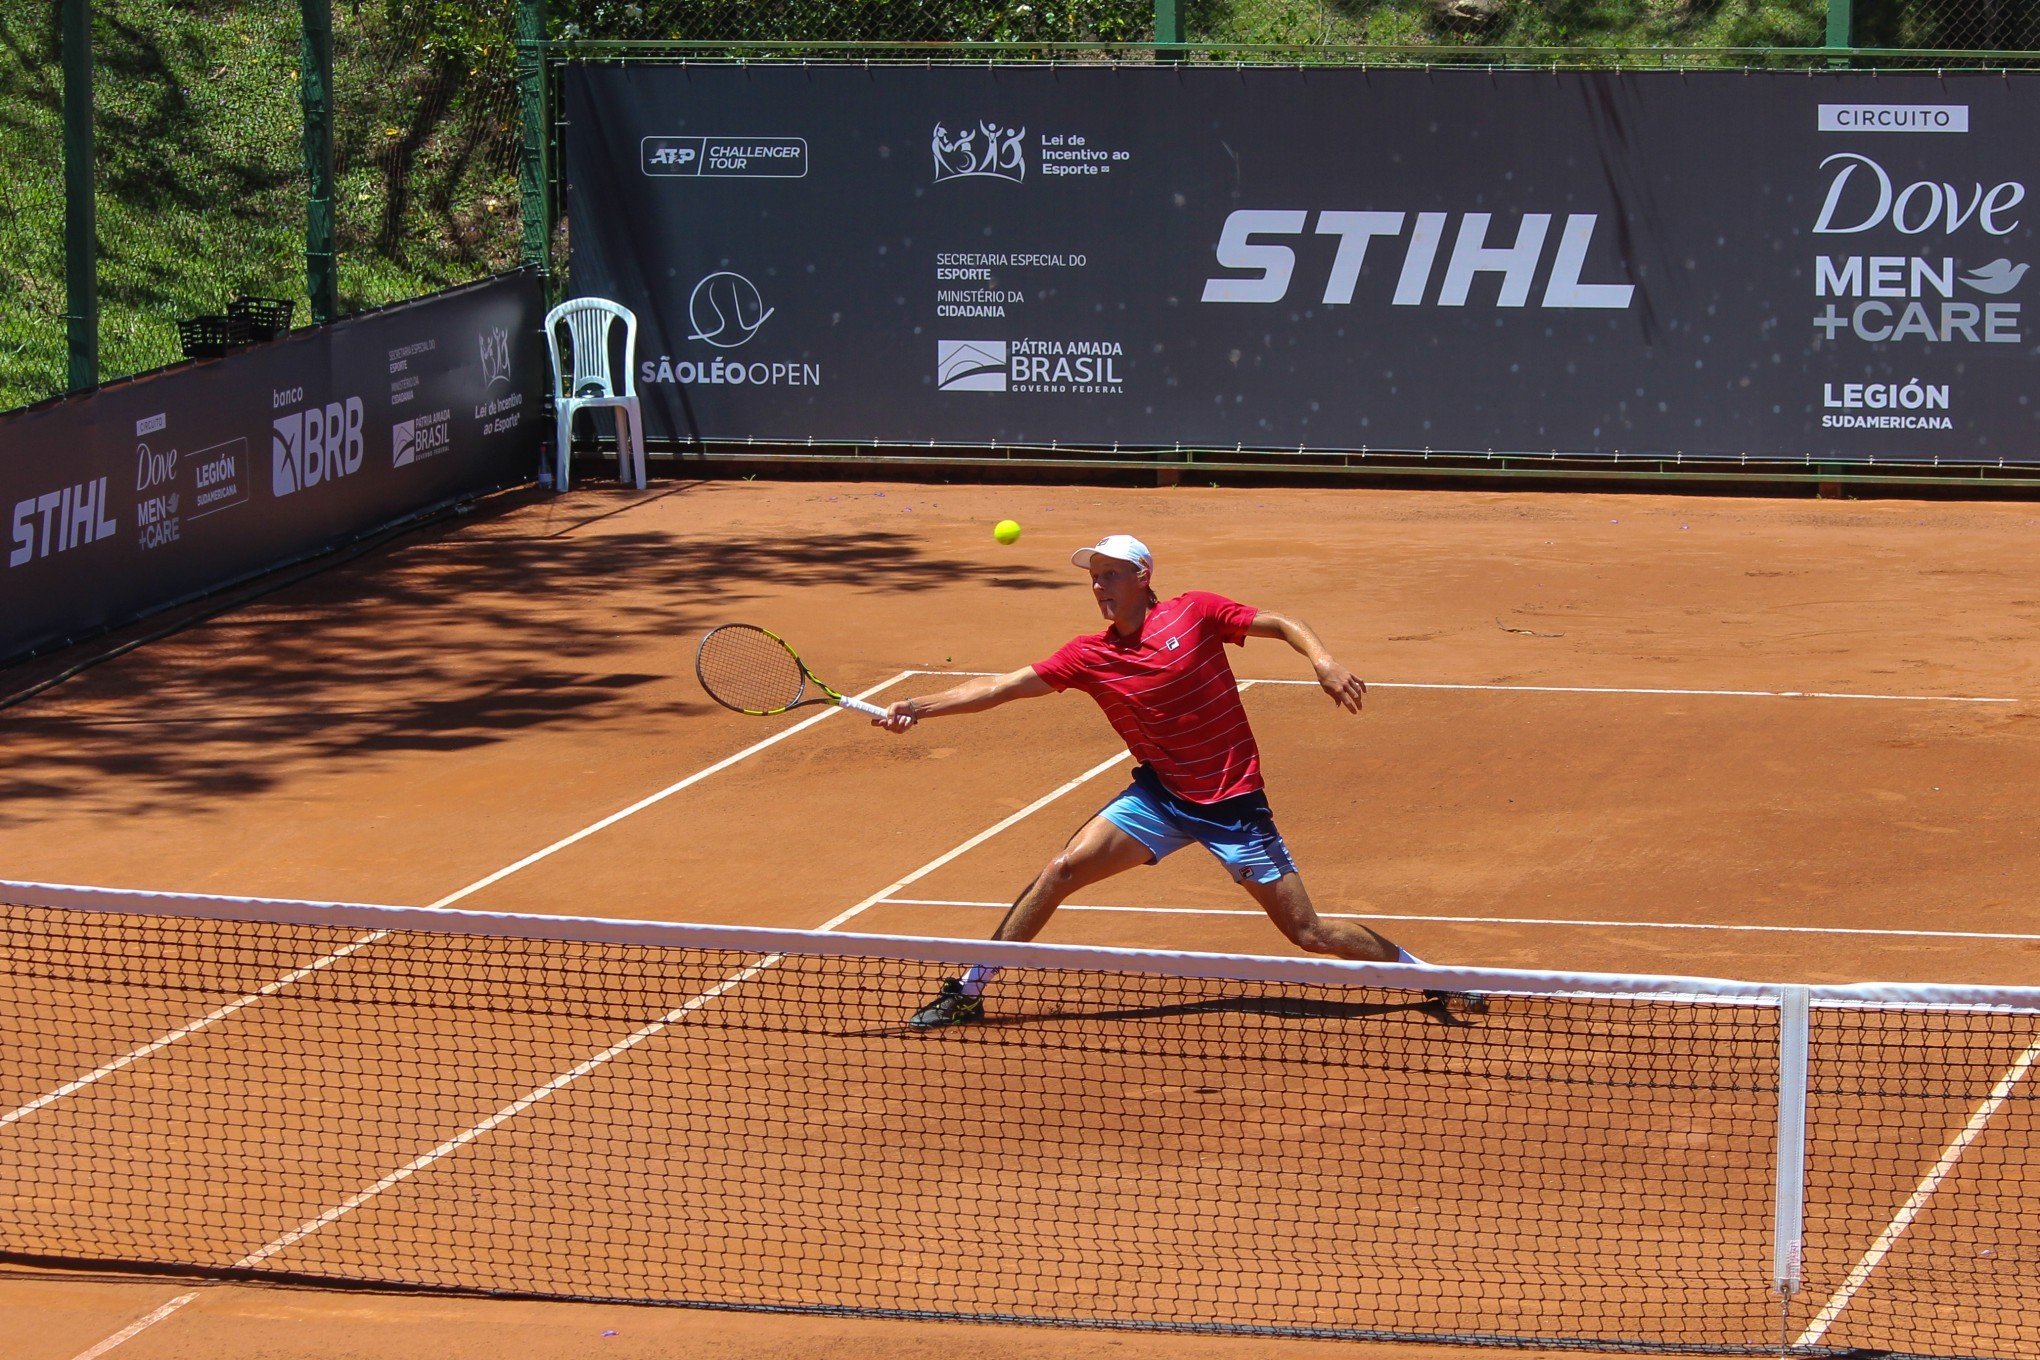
(200, 165)
(201, 185)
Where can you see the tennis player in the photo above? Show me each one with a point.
(1160, 672)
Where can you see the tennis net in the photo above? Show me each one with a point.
(740, 1118)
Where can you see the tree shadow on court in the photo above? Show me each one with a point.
(528, 614)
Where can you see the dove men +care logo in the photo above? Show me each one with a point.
(313, 446)
(1926, 260)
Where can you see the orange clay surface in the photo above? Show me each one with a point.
(405, 727)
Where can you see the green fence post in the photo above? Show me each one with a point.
(315, 91)
(1841, 23)
(81, 229)
(1168, 29)
(533, 182)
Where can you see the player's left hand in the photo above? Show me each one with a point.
(1348, 690)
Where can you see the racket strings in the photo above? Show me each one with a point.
(747, 668)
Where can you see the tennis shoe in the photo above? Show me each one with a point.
(950, 1007)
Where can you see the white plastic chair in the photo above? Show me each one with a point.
(588, 322)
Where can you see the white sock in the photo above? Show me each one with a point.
(974, 981)
(1405, 956)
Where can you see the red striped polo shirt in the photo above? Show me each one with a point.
(1171, 696)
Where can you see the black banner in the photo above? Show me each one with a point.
(1828, 265)
(179, 482)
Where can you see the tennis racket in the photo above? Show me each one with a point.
(753, 671)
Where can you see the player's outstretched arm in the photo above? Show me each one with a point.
(1347, 689)
(972, 696)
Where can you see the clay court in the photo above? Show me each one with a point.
(1773, 740)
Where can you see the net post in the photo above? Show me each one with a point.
(1787, 1250)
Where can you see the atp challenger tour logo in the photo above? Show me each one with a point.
(1908, 293)
(1519, 264)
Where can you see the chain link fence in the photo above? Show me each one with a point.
(859, 21)
(201, 164)
(1948, 25)
(1329, 25)
(426, 139)
(32, 343)
(200, 195)
(1546, 24)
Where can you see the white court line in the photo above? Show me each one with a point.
(1677, 693)
(164, 1041)
(1612, 689)
(184, 1032)
(136, 1328)
(666, 1021)
(508, 1112)
(661, 796)
(1920, 1195)
(1495, 920)
(885, 893)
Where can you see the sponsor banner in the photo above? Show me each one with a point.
(162, 488)
(1827, 265)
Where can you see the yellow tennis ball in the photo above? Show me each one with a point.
(1007, 531)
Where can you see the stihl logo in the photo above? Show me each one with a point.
(58, 521)
(317, 444)
(1519, 264)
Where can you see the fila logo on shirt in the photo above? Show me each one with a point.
(1170, 644)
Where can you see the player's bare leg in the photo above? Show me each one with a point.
(1289, 907)
(1098, 851)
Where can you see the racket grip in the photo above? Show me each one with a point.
(860, 706)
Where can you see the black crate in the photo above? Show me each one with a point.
(262, 318)
(208, 337)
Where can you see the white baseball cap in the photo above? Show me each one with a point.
(1119, 547)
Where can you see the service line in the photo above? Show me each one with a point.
(1499, 688)
(1494, 920)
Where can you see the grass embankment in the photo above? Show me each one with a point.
(200, 174)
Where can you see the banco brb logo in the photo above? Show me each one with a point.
(726, 310)
(317, 444)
